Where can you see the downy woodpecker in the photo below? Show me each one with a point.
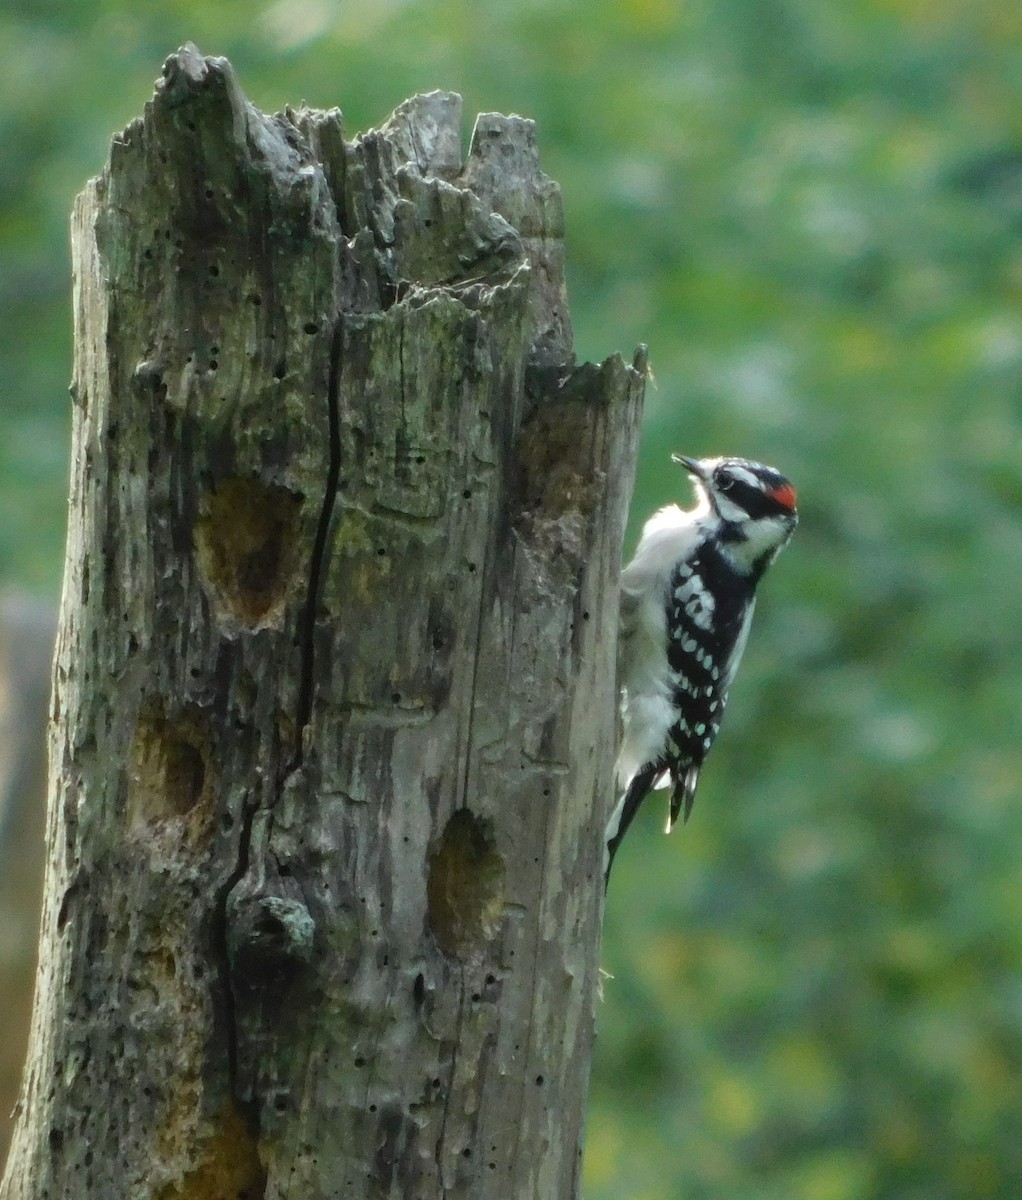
(686, 605)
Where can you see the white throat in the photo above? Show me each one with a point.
(763, 541)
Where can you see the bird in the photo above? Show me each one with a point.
(687, 599)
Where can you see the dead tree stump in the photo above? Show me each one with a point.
(334, 710)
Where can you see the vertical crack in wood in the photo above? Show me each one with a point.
(306, 642)
(534, 995)
(246, 1104)
(317, 567)
(449, 1091)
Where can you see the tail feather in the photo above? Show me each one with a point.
(683, 795)
(623, 815)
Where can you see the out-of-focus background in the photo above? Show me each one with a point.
(812, 212)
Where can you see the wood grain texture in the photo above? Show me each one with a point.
(334, 718)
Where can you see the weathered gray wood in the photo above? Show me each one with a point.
(335, 710)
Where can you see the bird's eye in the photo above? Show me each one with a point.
(724, 483)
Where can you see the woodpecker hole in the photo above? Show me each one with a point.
(226, 1168)
(465, 888)
(245, 539)
(558, 492)
(169, 769)
(555, 475)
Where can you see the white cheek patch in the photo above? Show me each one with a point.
(730, 511)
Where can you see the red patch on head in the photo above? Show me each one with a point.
(785, 494)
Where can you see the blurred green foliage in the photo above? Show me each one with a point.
(811, 210)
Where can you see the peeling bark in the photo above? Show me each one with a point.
(334, 710)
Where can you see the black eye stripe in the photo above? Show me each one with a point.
(753, 500)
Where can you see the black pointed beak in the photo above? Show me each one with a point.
(692, 465)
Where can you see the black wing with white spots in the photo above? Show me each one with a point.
(708, 613)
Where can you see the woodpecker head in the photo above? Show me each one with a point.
(754, 505)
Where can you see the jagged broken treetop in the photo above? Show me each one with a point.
(416, 214)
